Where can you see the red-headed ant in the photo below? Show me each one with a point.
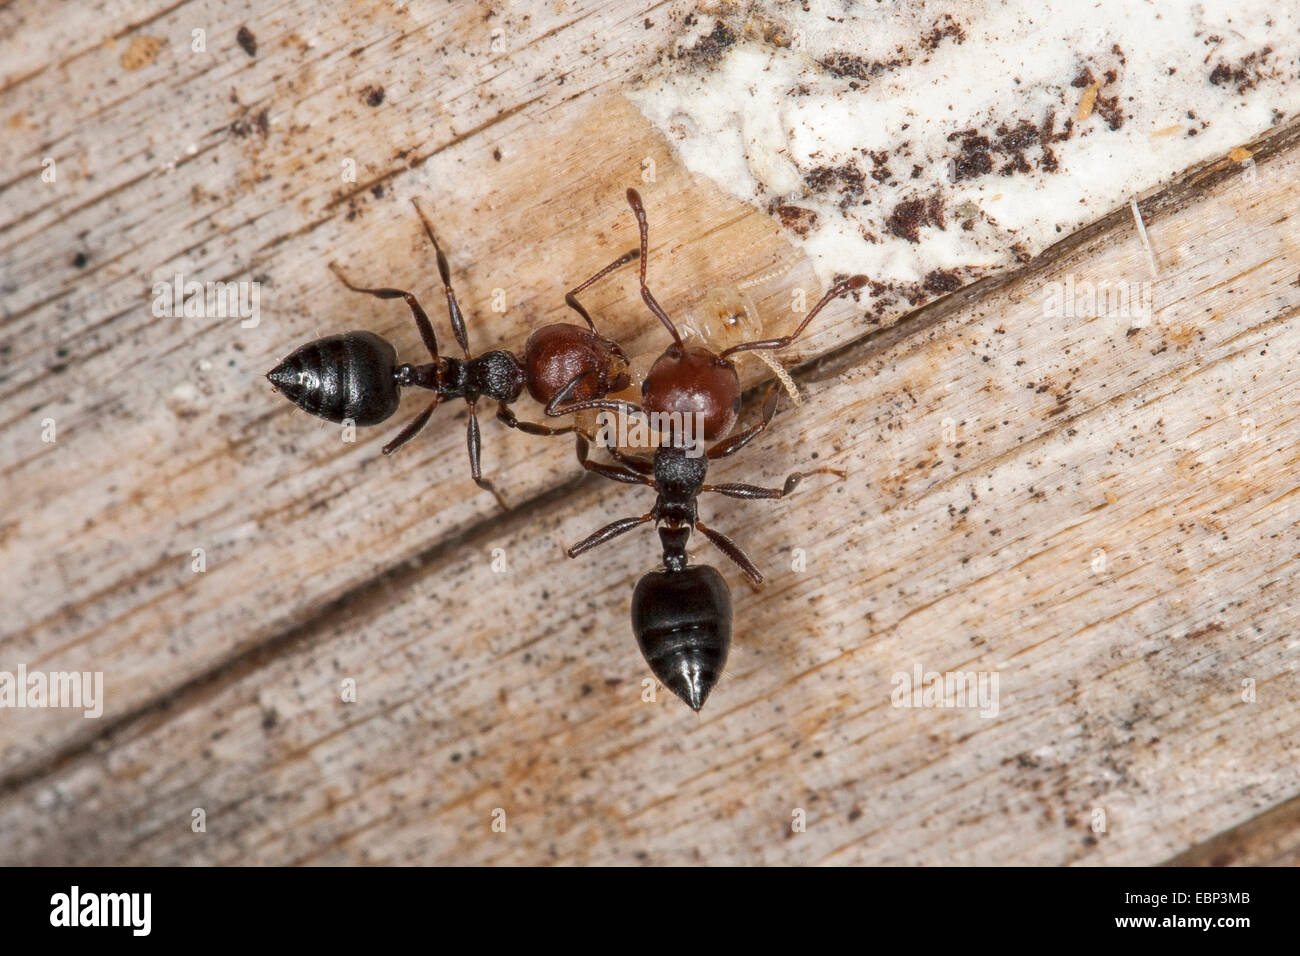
(681, 615)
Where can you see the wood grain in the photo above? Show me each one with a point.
(1271, 839)
(992, 453)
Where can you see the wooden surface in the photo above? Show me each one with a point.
(992, 454)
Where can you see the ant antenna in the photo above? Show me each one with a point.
(837, 290)
(634, 200)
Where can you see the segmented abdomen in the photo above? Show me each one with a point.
(347, 376)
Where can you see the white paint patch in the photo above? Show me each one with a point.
(929, 143)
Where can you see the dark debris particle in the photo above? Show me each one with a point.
(1221, 75)
(245, 125)
(797, 219)
(848, 179)
(1017, 164)
(373, 95)
(847, 65)
(910, 215)
(974, 159)
(710, 49)
(1245, 75)
(942, 280)
(246, 40)
(80, 260)
(943, 28)
(1013, 138)
(1107, 108)
(496, 154)
(853, 67)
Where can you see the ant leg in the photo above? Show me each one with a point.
(409, 432)
(644, 465)
(736, 442)
(608, 471)
(421, 319)
(634, 200)
(556, 407)
(837, 290)
(611, 530)
(735, 490)
(731, 550)
(475, 448)
(557, 410)
(507, 417)
(571, 297)
(444, 271)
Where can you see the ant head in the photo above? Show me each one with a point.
(686, 382)
(557, 354)
(682, 622)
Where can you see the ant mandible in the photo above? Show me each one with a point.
(356, 376)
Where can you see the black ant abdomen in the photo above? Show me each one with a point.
(353, 376)
(682, 622)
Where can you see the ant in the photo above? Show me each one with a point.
(681, 615)
(356, 376)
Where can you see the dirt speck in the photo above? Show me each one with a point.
(711, 47)
(248, 124)
(974, 159)
(797, 219)
(942, 280)
(943, 28)
(910, 215)
(247, 41)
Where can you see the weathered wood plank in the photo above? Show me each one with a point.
(168, 448)
(1271, 839)
(1169, 448)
